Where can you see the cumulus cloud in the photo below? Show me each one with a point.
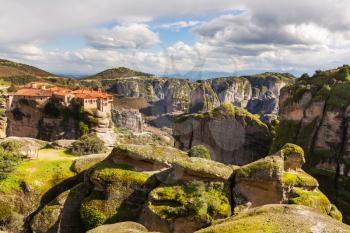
(134, 36)
(22, 20)
(265, 35)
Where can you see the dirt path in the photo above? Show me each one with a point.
(52, 154)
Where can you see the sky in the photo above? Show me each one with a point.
(181, 37)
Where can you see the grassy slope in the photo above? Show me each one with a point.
(40, 174)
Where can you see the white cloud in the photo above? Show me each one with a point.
(267, 35)
(180, 24)
(134, 36)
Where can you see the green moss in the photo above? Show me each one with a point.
(199, 151)
(299, 179)
(314, 199)
(122, 173)
(91, 216)
(86, 162)
(290, 148)
(161, 154)
(205, 168)
(197, 200)
(269, 165)
(226, 110)
(275, 219)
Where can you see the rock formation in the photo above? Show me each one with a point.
(167, 191)
(278, 218)
(231, 134)
(258, 94)
(315, 115)
(128, 118)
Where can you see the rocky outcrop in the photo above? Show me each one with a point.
(315, 115)
(103, 127)
(258, 94)
(167, 191)
(123, 227)
(52, 120)
(278, 218)
(231, 134)
(128, 118)
(279, 179)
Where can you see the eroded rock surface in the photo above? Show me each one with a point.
(315, 115)
(231, 134)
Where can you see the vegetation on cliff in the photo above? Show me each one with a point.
(199, 151)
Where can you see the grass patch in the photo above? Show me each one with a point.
(40, 175)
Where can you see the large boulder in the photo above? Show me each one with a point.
(122, 227)
(279, 179)
(278, 218)
(128, 118)
(128, 186)
(231, 134)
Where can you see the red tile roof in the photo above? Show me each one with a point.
(33, 92)
(80, 94)
(87, 94)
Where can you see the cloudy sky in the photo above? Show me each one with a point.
(162, 36)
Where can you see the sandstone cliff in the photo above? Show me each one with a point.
(258, 94)
(128, 118)
(52, 120)
(231, 134)
(315, 115)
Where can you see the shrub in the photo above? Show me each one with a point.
(84, 128)
(199, 151)
(9, 157)
(88, 144)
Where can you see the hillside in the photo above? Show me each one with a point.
(115, 73)
(10, 69)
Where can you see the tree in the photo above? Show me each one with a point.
(199, 151)
(9, 157)
(88, 144)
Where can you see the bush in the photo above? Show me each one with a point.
(9, 157)
(199, 151)
(84, 128)
(88, 144)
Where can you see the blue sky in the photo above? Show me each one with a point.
(164, 37)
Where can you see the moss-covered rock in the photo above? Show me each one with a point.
(279, 179)
(161, 155)
(83, 163)
(122, 227)
(62, 213)
(278, 218)
(185, 207)
(231, 134)
(118, 195)
(199, 168)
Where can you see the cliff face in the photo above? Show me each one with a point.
(50, 120)
(315, 115)
(257, 94)
(128, 118)
(231, 134)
